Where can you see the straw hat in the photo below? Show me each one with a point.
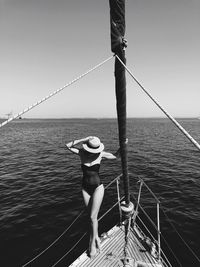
(93, 145)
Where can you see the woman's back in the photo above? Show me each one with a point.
(91, 174)
(89, 159)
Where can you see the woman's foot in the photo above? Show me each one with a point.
(98, 243)
(92, 252)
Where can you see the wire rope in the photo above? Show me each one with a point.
(56, 240)
(194, 142)
(54, 93)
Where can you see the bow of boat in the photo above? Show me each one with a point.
(116, 250)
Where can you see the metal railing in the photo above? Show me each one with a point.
(160, 254)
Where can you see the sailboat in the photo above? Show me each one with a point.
(129, 242)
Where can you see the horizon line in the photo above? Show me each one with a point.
(131, 117)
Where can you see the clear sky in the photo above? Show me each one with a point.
(47, 43)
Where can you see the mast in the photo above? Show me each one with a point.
(118, 44)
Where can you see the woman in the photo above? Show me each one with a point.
(91, 154)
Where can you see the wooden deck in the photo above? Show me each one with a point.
(112, 251)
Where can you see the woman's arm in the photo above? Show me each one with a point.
(108, 155)
(115, 155)
(70, 145)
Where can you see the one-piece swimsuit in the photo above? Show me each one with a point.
(91, 179)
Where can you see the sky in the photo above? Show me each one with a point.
(47, 43)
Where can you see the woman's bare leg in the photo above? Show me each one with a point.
(86, 197)
(95, 203)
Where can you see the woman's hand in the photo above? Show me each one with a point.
(77, 141)
(86, 139)
(117, 153)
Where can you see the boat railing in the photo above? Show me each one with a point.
(152, 241)
(157, 253)
(116, 180)
(140, 232)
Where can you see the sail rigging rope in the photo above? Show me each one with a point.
(118, 197)
(126, 244)
(70, 83)
(55, 92)
(194, 142)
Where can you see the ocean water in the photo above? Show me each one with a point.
(40, 185)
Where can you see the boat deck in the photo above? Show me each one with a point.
(112, 251)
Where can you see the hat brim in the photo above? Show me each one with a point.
(94, 150)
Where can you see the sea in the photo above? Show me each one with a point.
(40, 186)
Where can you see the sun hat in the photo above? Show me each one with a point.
(93, 145)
